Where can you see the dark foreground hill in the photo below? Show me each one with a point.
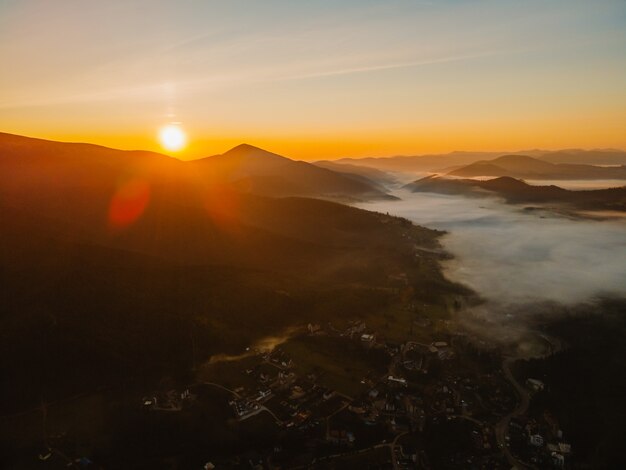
(517, 191)
(586, 380)
(131, 266)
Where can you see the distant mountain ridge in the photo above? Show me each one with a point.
(587, 157)
(522, 166)
(368, 174)
(517, 191)
(436, 162)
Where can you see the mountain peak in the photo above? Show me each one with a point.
(248, 151)
(244, 147)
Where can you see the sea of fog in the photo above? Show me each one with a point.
(513, 257)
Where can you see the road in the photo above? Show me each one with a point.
(213, 384)
(502, 427)
(394, 458)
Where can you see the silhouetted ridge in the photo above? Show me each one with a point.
(516, 191)
(522, 166)
(248, 168)
(267, 173)
(250, 151)
(505, 182)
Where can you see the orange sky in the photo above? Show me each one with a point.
(322, 80)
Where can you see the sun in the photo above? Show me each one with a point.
(172, 137)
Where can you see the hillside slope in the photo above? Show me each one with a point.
(120, 265)
(267, 173)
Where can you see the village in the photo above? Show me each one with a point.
(420, 405)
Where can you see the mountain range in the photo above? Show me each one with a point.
(250, 169)
(517, 191)
(439, 162)
(258, 171)
(522, 166)
(112, 259)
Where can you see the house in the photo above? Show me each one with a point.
(262, 394)
(286, 376)
(558, 460)
(564, 448)
(358, 407)
(397, 380)
(358, 327)
(367, 338)
(536, 385)
(244, 408)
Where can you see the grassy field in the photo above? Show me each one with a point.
(339, 363)
(400, 322)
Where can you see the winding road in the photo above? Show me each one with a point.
(502, 427)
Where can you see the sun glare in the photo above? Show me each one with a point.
(172, 137)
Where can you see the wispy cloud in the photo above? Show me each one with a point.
(389, 66)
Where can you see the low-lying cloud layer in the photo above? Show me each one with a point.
(513, 257)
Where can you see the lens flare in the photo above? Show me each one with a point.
(128, 203)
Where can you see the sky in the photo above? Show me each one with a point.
(317, 79)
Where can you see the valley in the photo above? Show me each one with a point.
(224, 323)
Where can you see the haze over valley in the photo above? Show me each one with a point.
(489, 267)
(515, 258)
(312, 235)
